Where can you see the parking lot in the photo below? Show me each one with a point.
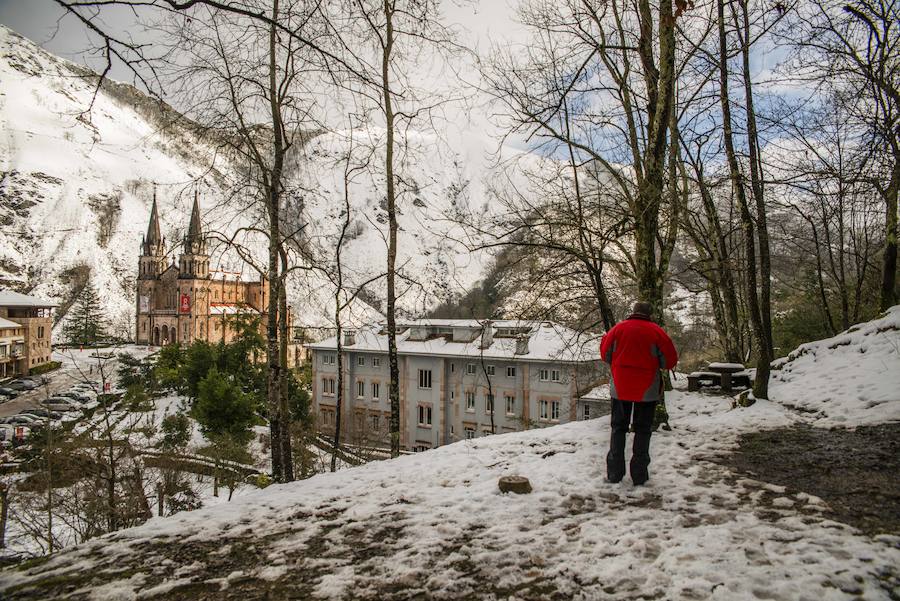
(78, 366)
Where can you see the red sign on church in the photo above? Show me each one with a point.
(185, 306)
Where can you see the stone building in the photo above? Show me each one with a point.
(188, 301)
(26, 325)
(455, 375)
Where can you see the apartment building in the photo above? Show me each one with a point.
(458, 379)
(26, 324)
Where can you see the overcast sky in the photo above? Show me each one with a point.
(42, 21)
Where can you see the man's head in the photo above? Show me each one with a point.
(642, 308)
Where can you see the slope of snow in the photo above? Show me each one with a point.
(435, 525)
(852, 379)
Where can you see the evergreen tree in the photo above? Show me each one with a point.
(84, 325)
(222, 408)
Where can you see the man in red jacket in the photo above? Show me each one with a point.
(636, 350)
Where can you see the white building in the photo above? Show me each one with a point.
(456, 377)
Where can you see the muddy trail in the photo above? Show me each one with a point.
(856, 472)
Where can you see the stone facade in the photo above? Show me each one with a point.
(188, 301)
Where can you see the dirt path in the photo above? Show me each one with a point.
(854, 471)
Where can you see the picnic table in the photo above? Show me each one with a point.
(727, 376)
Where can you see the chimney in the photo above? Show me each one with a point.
(349, 337)
(487, 334)
(522, 344)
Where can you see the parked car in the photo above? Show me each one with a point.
(20, 420)
(43, 413)
(58, 404)
(27, 384)
(9, 393)
(75, 395)
(17, 385)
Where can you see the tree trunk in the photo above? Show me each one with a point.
(287, 460)
(273, 355)
(4, 512)
(339, 398)
(394, 388)
(761, 385)
(888, 297)
(766, 351)
(661, 89)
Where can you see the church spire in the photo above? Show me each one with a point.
(153, 233)
(194, 260)
(194, 232)
(152, 243)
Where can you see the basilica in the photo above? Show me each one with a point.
(187, 301)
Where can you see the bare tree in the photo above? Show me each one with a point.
(853, 49)
(389, 39)
(599, 84)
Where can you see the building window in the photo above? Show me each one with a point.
(328, 386)
(470, 432)
(554, 375)
(587, 412)
(376, 390)
(361, 361)
(425, 415)
(470, 400)
(376, 422)
(545, 375)
(545, 410)
(360, 389)
(470, 369)
(376, 361)
(489, 369)
(452, 368)
(511, 371)
(510, 405)
(424, 378)
(328, 359)
(489, 404)
(554, 411)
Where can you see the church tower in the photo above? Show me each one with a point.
(153, 260)
(194, 262)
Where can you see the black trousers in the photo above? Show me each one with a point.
(620, 418)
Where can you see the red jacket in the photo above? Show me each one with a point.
(637, 349)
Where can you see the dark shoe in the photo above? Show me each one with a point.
(609, 480)
(638, 469)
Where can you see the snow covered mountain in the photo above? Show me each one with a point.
(76, 188)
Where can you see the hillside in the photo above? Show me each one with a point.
(434, 525)
(76, 188)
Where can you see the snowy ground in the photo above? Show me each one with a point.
(852, 379)
(435, 523)
(435, 526)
